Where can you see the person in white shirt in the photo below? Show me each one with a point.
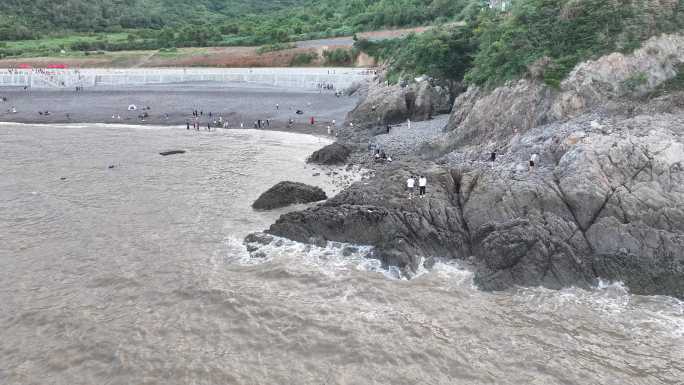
(422, 183)
(534, 160)
(410, 184)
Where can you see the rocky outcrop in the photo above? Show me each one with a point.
(613, 83)
(482, 117)
(332, 154)
(607, 202)
(288, 193)
(394, 104)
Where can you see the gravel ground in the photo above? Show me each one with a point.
(403, 142)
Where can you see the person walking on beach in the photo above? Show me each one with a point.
(312, 121)
(277, 106)
(422, 184)
(187, 123)
(208, 126)
(410, 185)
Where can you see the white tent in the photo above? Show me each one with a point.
(132, 107)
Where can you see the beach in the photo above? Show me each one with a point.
(173, 104)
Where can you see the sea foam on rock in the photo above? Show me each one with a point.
(605, 200)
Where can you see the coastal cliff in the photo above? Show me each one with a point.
(604, 201)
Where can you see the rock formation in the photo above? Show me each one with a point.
(332, 154)
(605, 200)
(288, 193)
(394, 104)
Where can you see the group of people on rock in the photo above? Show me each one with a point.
(533, 162)
(411, 186)
(378, 153)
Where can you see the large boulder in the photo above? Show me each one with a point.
(288, 193)
(332, 154)
(395, 103)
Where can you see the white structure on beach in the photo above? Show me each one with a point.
(306, 78)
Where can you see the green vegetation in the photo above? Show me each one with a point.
(675, 84)
(338, 57)
(538, 38)
(444, 53)
(153, 24)
(303, 59)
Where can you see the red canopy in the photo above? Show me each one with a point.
(24, 66)
(57, 66)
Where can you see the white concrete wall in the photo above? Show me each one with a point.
(306, 78)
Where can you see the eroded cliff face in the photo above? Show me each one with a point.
(606, 199)
(614, 83)
(394, 104)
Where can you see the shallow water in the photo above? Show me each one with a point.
(137, 275)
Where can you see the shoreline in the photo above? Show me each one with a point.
(173, 105)
(317, 131)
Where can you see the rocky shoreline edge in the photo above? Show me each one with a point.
(605, 199)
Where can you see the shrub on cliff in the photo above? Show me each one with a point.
(566, 32)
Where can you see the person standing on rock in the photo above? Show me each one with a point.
(534, 160)
(492, 157)
(422, 184)
(410, 185)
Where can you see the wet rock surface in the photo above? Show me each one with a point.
(605, 199)
(332, 154)
(288, 193)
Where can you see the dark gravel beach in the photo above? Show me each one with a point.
(173, 105)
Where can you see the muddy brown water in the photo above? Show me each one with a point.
(136, 275)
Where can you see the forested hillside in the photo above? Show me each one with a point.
(276, 19)
(543, 39)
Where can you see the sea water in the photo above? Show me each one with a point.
(136, 274)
